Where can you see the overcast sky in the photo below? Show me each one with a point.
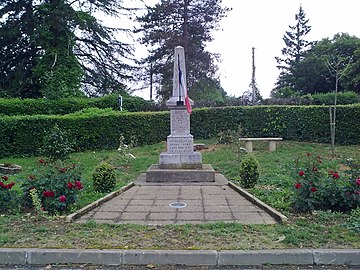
(262, 24)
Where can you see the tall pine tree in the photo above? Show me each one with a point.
(294, 51)
(48, 48)
(187, 23)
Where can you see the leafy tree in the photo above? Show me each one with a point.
(187, 23)
(313, 74)
(58, 45)
(18, 50)
(207, 89)
(294, 51)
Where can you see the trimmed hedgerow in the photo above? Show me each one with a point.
(101, 129)
(97, 129)
(70, 105)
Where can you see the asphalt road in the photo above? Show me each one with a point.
(165, 267)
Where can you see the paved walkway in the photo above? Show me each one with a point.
(194, 204)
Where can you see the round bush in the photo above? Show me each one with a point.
(104, 178)
(249, 171)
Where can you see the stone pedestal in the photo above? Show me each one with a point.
(180, 163)
(180, 144)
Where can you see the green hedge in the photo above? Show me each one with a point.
(329, 98)
(69, 105)
(100, 129)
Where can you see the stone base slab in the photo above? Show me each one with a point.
(204, 174)
(180, 161)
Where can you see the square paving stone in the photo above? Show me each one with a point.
(119, 200)
(109, 207)
(133, 216)
(244, 209)
(191, 208)
(218, 216)
(146, 196)
(164, 202)
(105, 215)
(192, 202)
(164, 196)
(207, 190)
(215, 202)
(185, 190)
(191, 195)
(217, 208)
(190, 216)
(141, 202)
(238, 201)
(138, 208)
(162, 208)
(162, 216)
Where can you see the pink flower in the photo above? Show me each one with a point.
(78, 185)
(62, 198)
(297, 185)
(301, 173)
(48, 193)
(70, 185)
(315, 169)
(358, 182)
(313, 189)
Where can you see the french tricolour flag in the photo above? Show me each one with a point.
(182, 88)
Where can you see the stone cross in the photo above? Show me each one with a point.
(180, 146)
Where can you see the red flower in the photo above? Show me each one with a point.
(62, 170)
(320, 161)
(336, 175)
(5, 177)
(48, 193)
(315, 169)
(70, 185)
(297, 185)
(358, 182)
(41, 161)
(9, 186)
(301, 173)
(78, 185)
(62, 198)
(313, 189)
(2, 185)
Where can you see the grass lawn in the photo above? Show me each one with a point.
(322, 229)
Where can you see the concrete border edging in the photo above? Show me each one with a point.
(171, 257)
(336, 256)
(36, 256)
(260, 257)
(98, 202)
(271, 211)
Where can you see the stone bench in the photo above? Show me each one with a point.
(249, 146)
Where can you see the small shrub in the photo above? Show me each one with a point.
(56, 144)
(57, 185)
(8, 196)
(249, 171)
(104, 178)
